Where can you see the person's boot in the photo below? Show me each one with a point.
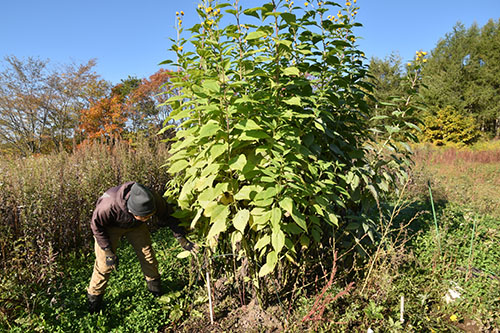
(154, 286)
(94, 302)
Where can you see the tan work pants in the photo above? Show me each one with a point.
(140, 239)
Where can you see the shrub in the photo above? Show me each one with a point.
(448, 126)
(273, 152)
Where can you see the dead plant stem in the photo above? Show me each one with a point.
(384, 236)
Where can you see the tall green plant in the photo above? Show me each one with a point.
(272, 150)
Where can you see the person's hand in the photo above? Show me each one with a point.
(111, 259)
(188, 245)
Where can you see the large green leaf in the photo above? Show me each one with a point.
(178, 166)
(275, 217)
(212, 168)
(219, 222)
(248, 192)
(333, 219)
(184, 254)
(240, 220)
(181, 114)
(283, 42)
(199, 91)
(289, 17)
(253, 135)
(373, 191)
(268, 267)
(209, 129)
(217, 150)
(293, 101)
(255, 35)
(238, 162)
(212, 86)
(263, 203)
(277, 239)
(236, 237)
(248, 124)
(261, 216)
(299, 218)
(213, 209)
(196, 218)
(252, 12)
(287, 204)
(186, 195)
(207, 196)
(262, 242)
(204, 182)
(268, 193)
(292, 228)
(291, 71)
(218, 227)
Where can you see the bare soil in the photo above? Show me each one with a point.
(248, 318)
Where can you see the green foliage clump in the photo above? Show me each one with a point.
(273, 153)
(448, 126)
(127, 305)
(465, 262)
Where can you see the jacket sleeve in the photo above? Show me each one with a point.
(101, 218)
(165, 219)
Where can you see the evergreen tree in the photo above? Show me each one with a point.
(462, 73)
(482, 93)
(387, 79)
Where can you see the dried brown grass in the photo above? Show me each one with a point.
(465, 176)
(46, 201)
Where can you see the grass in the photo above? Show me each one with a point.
(415, 267)
(128, 305)
(467, 177)
(431, 274)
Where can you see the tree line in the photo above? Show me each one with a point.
(460, 93)
(46, 107)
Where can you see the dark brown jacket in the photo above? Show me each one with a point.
(111, 211)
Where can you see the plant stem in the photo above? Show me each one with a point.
(470, 249)
(402, 310)
(210, 299)
(434, 215)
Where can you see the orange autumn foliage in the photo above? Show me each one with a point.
(104, 119)
(151, 92)
(152, 87)
(131, 106)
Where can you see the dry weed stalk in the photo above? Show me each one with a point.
(319, 306)
(386, 231)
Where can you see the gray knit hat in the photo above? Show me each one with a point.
(141, 201)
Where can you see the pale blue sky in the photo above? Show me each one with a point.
(130, 37)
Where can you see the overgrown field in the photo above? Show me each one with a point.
(444, 261)
(469, 177)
